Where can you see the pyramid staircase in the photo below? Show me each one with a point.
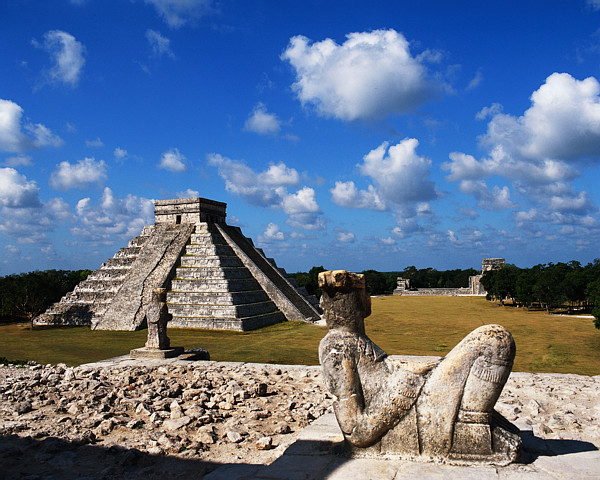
(89, 300)
(218, 286)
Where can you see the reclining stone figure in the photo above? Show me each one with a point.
(443, 409)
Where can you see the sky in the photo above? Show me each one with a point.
(355, 135)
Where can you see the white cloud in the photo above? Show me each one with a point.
(371, 75)
(120, 153)
(173, 161)
(68, 56)
(345, 194)
(279, 174)
(189, 193)
(29, 220)
(12, 137)
(346, 237)
(94, 143)
(269, 189)
(272, 232)
(78, 175)
(400, 175)
(497, 198)
(563, 122)
(160, 45)
(180, 12)
(388, 241)
(113, 217)
(540, 152)
(19, 161)
(16, 191)
(262, 122)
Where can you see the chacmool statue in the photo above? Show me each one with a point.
(443, 409)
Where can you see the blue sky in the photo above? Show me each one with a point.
(346, 134)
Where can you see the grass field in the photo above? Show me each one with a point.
(399, 325)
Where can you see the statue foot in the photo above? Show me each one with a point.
(497, 441)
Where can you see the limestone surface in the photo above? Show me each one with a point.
(109, 422)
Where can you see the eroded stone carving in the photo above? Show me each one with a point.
(158, 344)
(157, 317)
(442, 409)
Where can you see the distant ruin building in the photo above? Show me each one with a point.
(474, 288)
(215, 278)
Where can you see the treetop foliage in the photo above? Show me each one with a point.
(27, 295)
(547, 285)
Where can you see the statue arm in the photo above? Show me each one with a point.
(362, 425)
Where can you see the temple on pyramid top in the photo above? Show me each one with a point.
(189, 210)
(215, 277)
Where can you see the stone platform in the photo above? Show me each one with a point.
(318, 454)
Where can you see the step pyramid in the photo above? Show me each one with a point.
(216, 278)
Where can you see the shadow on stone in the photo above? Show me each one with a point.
(52, 457)
(535, 447)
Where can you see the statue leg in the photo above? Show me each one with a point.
(464, 387)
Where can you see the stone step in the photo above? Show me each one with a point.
(92, 284)
(217, 298)
(118, 262)
(128, 252)
(188, 273)
(208, 250)
(211, 261)
(90, 297)
(109, 274)
(222, 311)
(207, 237)
(241, 325)
(214, 285)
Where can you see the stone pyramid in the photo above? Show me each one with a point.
(216, 278)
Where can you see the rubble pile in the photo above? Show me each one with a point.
(184, 420)
(208, 411)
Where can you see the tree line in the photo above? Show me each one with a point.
(549, 286)
(24, 296)
(381, 283)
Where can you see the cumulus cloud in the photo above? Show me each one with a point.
(160, 45)
(345, 194)
(269, 189)
(188, 193)
(112, 217)
(496, 198)
(371, 75)
(16, 191)
(173, 161)
(79, 175)
(399, 174)
(563, 122)
(345, 237)
(262, 122)
(13, 138)
(68, 57)
(540, 152)
(177, 13)
(22, 215)
(272, 232)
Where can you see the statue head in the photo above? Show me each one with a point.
(344, 301)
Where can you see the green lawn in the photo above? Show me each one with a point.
(400, 325)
